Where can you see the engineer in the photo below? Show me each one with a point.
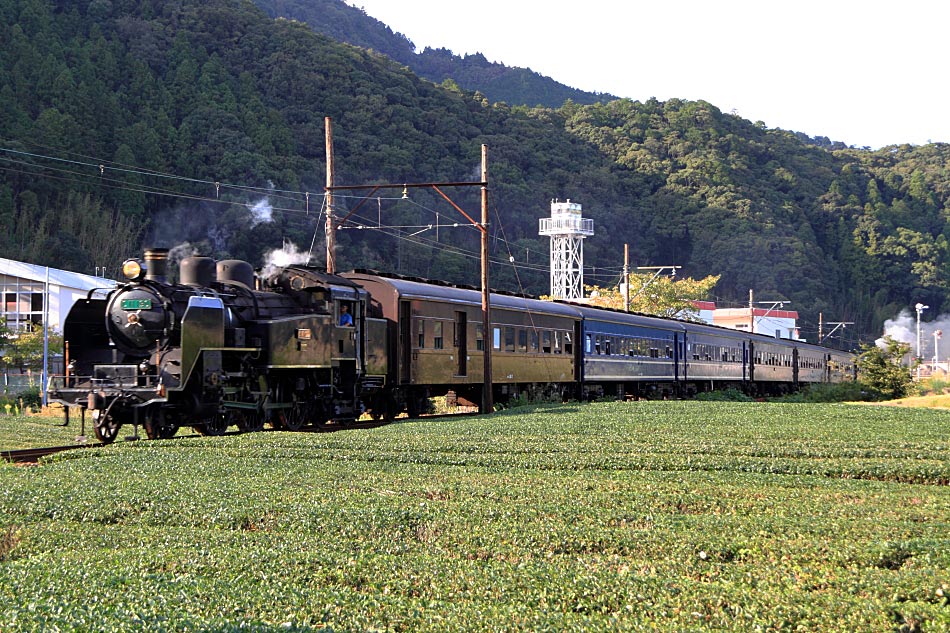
(346, 319)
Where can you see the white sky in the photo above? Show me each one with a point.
(865, 72)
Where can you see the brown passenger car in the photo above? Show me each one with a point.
(436, 340)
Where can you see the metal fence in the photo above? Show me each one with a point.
(13, 384)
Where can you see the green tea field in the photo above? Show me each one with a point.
(609, 516)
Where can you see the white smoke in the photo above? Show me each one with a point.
(261, 211)
(286, 256)
(180, 252)
(904, 329)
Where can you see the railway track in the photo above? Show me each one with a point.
(32, 455)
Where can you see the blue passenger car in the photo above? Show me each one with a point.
(628, 354)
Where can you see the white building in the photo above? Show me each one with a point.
(23, 288)
(767, 321)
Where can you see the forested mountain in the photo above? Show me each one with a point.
(128, 122)
(345, 23)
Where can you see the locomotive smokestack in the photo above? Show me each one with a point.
(197, 271)
(156, 264)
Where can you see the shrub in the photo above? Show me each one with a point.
(881, 370)
(724, 395)
(837, 392)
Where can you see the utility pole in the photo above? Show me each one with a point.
(820, 327)
(487, 339)
(626, 278)
(751, 313)
(937, 335)
(919, 308)
(488, 403)
(330, 228)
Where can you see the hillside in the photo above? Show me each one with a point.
(134, 122)
(498, 82)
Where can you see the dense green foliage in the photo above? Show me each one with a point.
(882, 369)
(231, 104)
(614, 516)
(498, 82)
(655, 294)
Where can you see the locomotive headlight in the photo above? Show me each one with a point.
(133, 269)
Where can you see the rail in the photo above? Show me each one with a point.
(32, 455)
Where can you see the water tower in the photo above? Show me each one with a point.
(567, 230)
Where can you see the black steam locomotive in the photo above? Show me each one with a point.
(225, 346)
(220, 348)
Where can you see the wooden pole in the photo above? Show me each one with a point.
(487, 340)
(330, 227)
(751, 313)
(626, 278)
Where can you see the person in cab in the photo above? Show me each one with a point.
(346, 319)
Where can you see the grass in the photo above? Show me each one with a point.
(35, 430)
(611, 516)
(932, 401)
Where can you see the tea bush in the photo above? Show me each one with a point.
(611, 516)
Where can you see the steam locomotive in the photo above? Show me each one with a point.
(227, 346)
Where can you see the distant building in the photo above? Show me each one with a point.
(775, 323)
(23, 290)
(704, 310)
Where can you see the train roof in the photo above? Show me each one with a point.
(627, 318)
(417, 288)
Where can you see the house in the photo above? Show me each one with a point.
(768, 321)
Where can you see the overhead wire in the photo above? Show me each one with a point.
(29, 165)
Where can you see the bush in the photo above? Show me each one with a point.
(724, 395)
(881, 368)
(837, 392)
(30, 399)
(932, 386)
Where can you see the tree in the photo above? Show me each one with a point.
(24, 350)
(658, 295)
(880, 367)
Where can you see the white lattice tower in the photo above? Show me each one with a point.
(567, 230)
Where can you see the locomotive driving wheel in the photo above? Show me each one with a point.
(160, 424)
(248, 421)
(293, 417)
(106, 427)
(215, 425)
(296, 417)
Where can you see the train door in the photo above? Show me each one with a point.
(461, 342)
(677, 354)
(684, 355)
(405, 342)
(745, 361)
(795, 359)
(751, 361)
(579, 351)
